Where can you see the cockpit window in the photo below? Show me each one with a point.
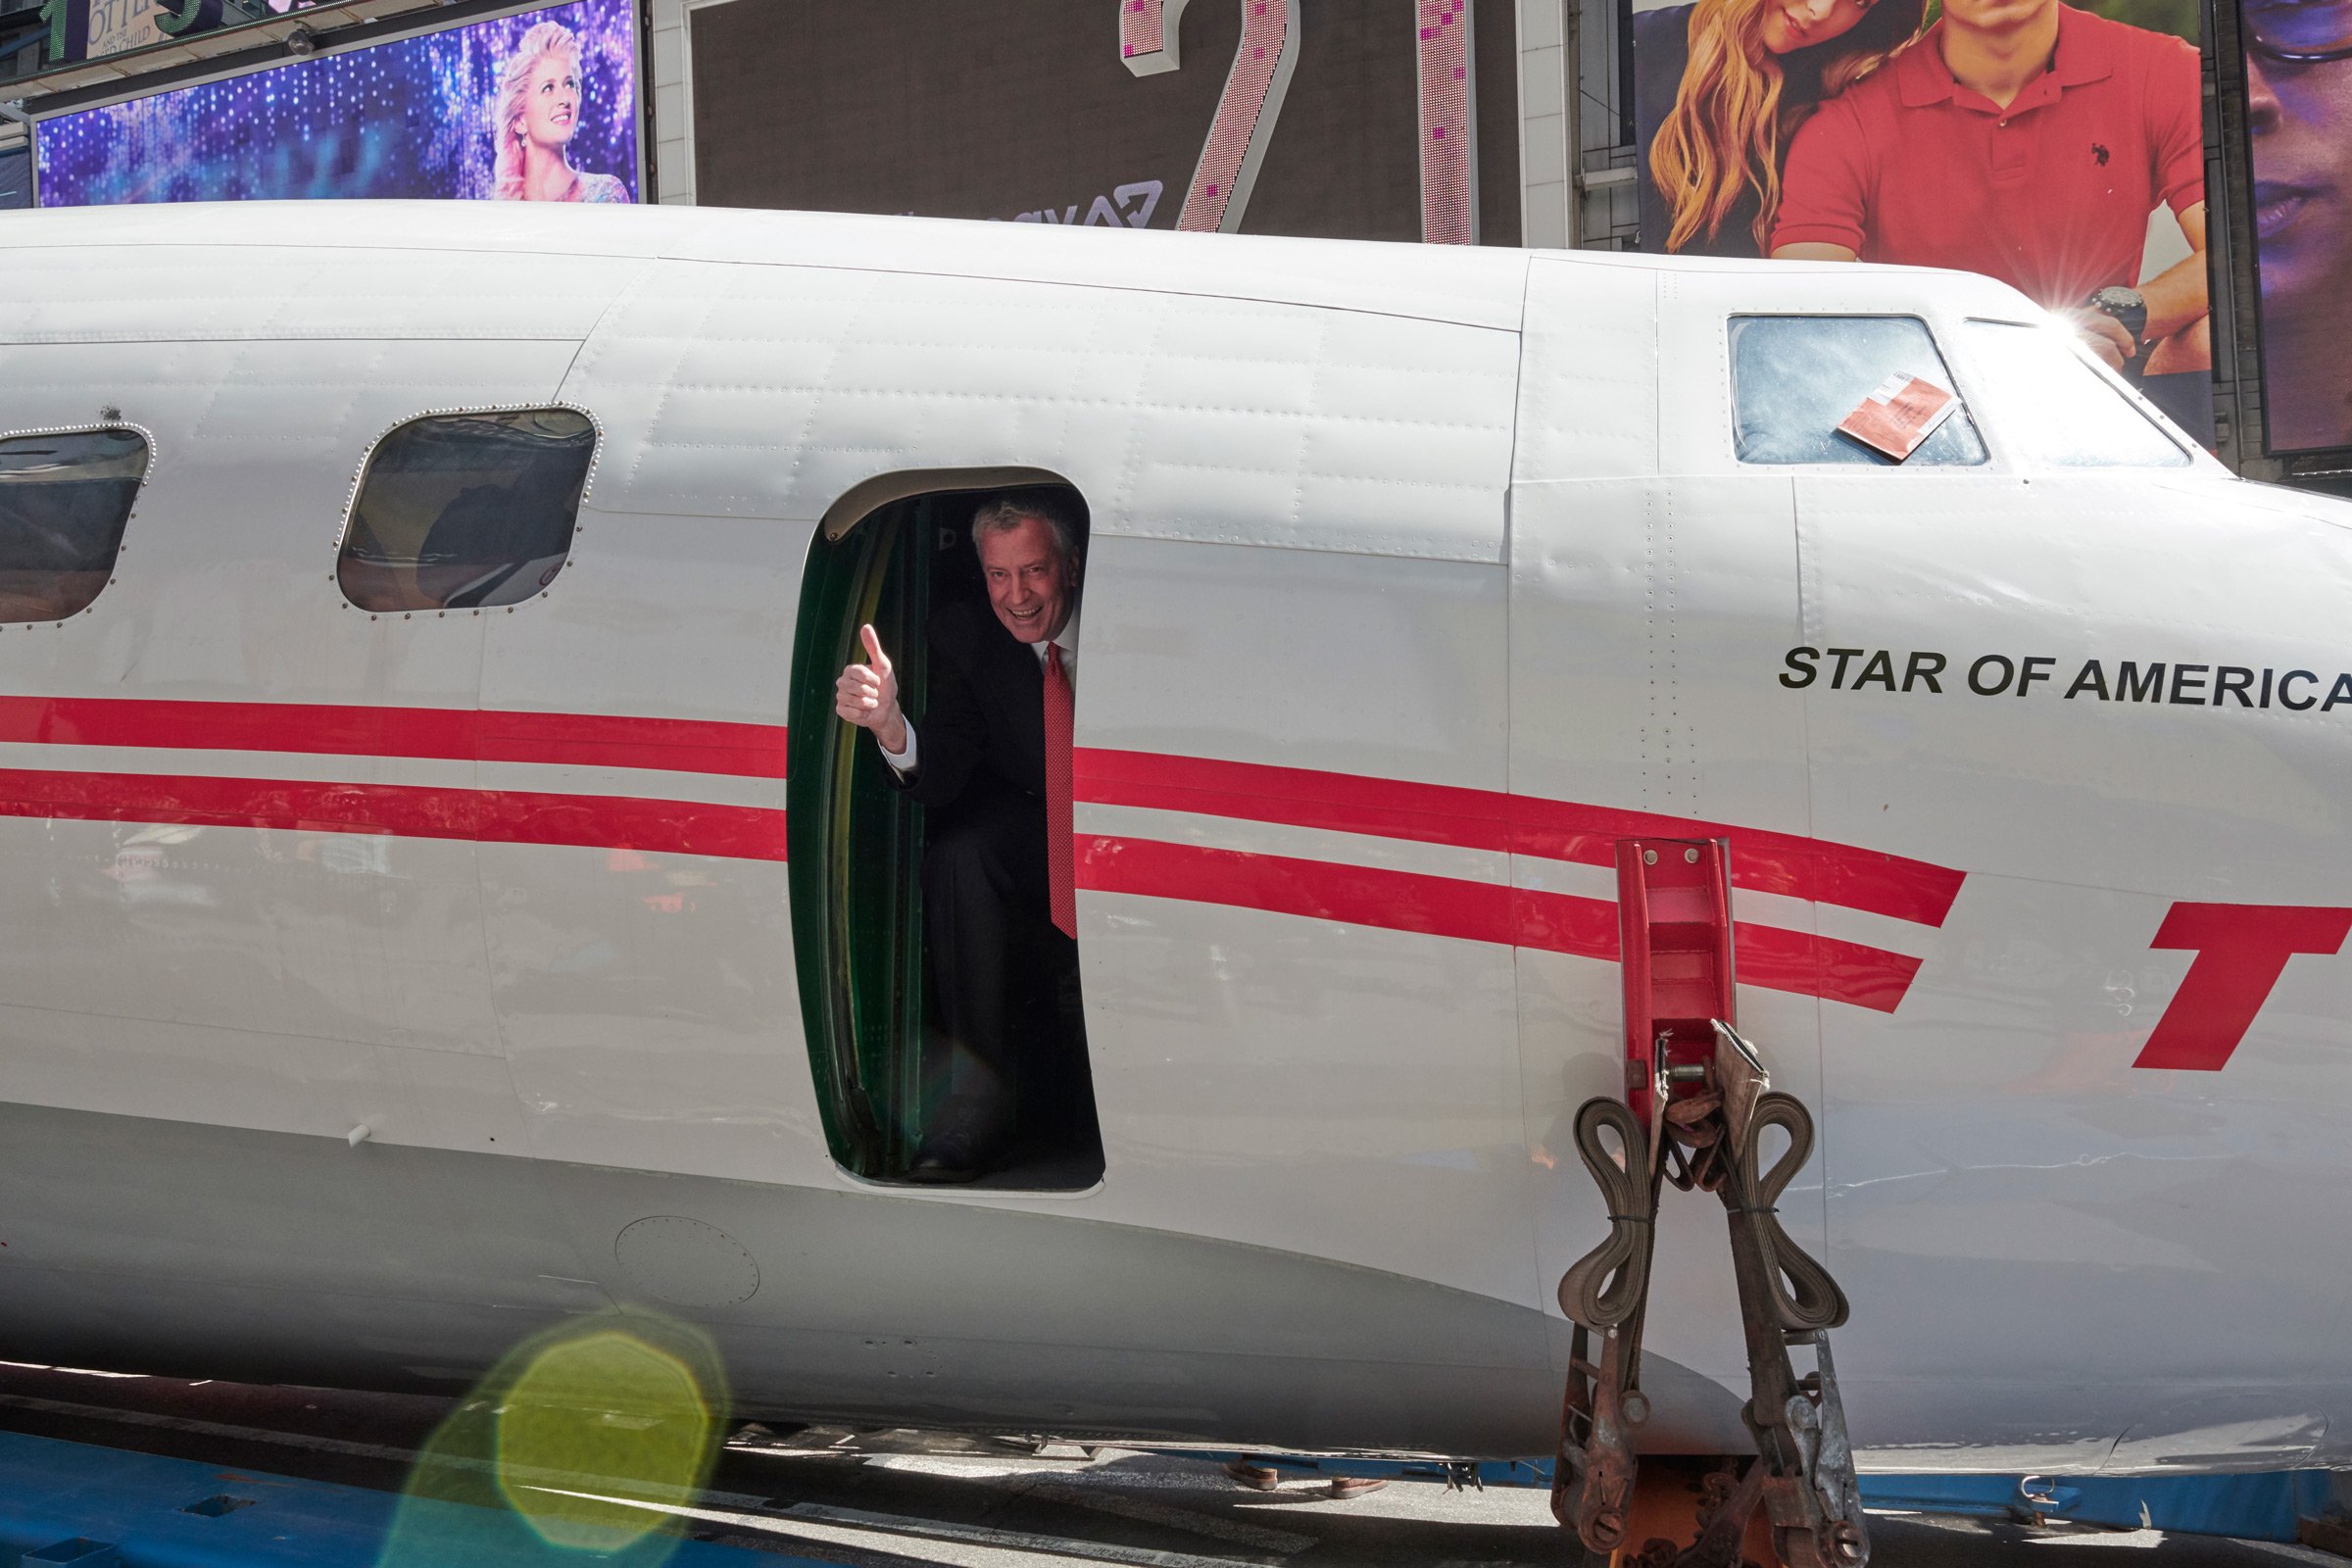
(64, 502)
(2052, 408)
(466, 511)
(1795, 378)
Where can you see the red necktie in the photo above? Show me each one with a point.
(1058, 874)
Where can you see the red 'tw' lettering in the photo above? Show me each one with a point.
(2241, 948)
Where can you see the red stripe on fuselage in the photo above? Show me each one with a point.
(1773, 862)
(1869, 880)
(1483, 819)
(1770, 956)
(457, 734)
(511, 816)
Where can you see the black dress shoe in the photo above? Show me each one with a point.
(946, 1159)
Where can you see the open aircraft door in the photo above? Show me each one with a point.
(1653, 589)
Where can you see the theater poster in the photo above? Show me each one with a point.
(116, 26)
(541, 105)
(1832, 130)
(2299, 138)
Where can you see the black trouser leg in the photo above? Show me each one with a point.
(984, 900)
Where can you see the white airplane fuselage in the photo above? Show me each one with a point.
(1417, 578)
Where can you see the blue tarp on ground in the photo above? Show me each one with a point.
(2256, 1508)
(2248, 1507)
(52, 1492)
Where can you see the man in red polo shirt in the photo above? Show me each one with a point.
(2030, 141)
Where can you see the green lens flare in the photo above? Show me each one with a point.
(579, 1446)
(606, 1407)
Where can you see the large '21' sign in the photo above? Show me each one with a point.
(1244, 124)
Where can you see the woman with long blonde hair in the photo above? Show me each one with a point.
(1721, 87)
(538, 109)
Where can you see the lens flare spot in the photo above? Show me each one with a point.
(605, 1404)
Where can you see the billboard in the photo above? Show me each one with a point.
(2299, 138)
(536, 107)
(1351, 118)
(2059, 149)
(116, 26)
(16, 176)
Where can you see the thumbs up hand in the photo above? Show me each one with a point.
(868, 695)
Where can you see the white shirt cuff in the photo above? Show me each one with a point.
(901, 761)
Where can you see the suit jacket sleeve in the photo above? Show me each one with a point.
(954, 730)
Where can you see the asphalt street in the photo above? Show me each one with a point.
(894, 1500)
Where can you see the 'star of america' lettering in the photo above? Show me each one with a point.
(1923, 673)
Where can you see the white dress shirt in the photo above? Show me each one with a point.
(1065, 639)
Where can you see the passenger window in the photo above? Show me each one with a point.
(63, 501)
(2053, 409)
(1794, 379)
(464, 510)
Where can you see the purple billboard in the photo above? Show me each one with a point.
(536, 107)
(2299, 124)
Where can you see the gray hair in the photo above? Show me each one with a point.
(1049, 505)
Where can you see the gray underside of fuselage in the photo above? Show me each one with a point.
(191, 1250)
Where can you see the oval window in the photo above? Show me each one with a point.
(64, 502)
(465, 511)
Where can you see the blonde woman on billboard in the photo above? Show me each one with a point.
(1721, 87)
(538, 110)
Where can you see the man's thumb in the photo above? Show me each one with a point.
(873, 650)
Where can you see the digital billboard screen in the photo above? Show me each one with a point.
(2299, 136)
(16, 176)
(1275, 117)
(541, 105)
(2055, 147)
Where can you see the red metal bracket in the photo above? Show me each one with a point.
(1674, 933)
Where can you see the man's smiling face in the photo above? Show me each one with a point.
(1030, 586)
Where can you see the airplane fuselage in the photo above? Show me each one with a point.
(381, 987)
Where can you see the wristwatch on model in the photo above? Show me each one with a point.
(2127, 304)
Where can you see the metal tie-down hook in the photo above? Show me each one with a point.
(1698, 1104)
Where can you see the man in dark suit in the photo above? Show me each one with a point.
(993, 762)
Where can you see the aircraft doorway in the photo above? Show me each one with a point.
(886, 1008)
